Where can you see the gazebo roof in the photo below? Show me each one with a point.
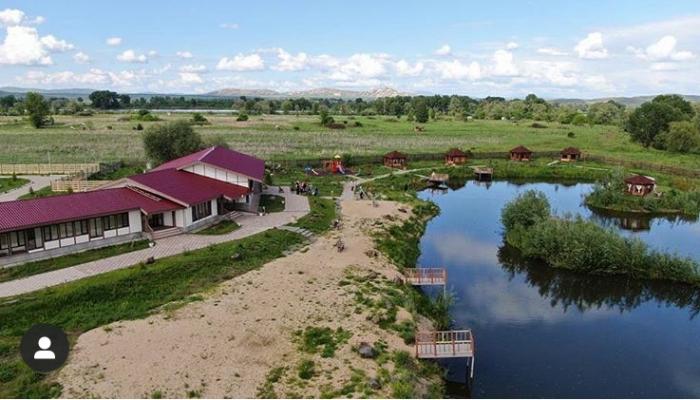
(571, 151)
(521, 149)
(394, 154)
(455, 152)
(640, 180)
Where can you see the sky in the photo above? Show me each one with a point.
(498, 48)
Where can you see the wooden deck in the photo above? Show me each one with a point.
(425, 276)
(447, 344)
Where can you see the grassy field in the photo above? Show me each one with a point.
(225, 226)
(10, 184)
(104, 138)
(272, 203)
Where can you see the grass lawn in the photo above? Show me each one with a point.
(103, 137)
(129, 293)
(272, 203)
(43, 192)
(225, 226)
(123, 172)
(321, 216)
(37, 267)
(7, 184)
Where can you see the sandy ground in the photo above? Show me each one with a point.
(225, 345)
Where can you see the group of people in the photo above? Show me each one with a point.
(304, 188)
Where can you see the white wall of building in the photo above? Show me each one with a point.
(218, 174)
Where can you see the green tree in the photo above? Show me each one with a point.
(105, 99)
(164, 142)
(455, 108)
(681, 137)
(649, 120)
(525, 210)
(606, 113)
(38, 109)
(682, 106)
(325, 118)
(421, 113)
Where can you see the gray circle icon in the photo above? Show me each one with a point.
(44, 347)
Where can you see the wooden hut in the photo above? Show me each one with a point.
(639, 185)
(395, 159)
(520, 153)
(334, 166)
(570, 154)
(455, 157)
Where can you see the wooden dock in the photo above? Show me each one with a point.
(483, 173)
(425, 276)
(447, 344)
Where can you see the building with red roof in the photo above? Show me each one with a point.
(395, 159)
(181, 195)
(455, 157)
(570, 154)
(640, 185)
(520, 153)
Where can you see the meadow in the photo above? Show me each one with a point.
(108, 137)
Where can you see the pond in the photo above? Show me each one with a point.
(542, 332)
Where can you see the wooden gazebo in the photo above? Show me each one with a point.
(520, 153)
(570, 154)
(640, 185)
(395, 159)
(455, 157)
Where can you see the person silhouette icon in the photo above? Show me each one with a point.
(44, 353)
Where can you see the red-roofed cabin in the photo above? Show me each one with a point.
(455, 157)
(520, 153)
(639, 185)
(181, 195)
(395, 159)
(570, 154)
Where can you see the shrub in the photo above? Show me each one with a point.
(168, 141)
(242, 117)
(199, 119)
(571, 135)
(306, 369)
(526, 210)
(538, 125)
(335, 126)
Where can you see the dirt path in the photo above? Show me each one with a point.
(226, 344)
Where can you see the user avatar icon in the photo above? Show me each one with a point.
(44, 353)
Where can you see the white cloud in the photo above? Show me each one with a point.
(403, 68)
(22, 46)
(226, 25)
(11, 17)
(184, 54)
(152, 53)
(503, 63)
(591, 47)
(443, 50)
(189, 78)
(361, 66)
(193, 68)
(663, 49)
(551, 51)
(113, 41)
(131, 56)
(289, 62)
(241, 62)
(512, 45)
(663, 66)
(81, 58)
(52, 44)
(456, 70)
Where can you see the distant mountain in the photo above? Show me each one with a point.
(627, 101)
(236, 92)
(325, 93)
(47, 92)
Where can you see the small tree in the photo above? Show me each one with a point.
(242, 116)
(199, 119)
(37, 108)
(422, 113)
(682, 137)
(326, 119)
(172, 140)
(526, 210)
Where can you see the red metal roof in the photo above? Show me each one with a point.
(640, 180)
(394, 154)
(21, 214)
(571, 150)
(186, 187)
(223, 158)
(456, 153)
(521, 150)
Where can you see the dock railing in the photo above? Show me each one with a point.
(447, 344)
(425, 276)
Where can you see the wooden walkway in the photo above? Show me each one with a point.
(425, 276)
(447, 344)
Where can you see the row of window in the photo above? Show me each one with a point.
(201, 210)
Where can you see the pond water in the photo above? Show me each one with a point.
(542, 332)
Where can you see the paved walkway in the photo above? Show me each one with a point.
(295, 207)
(35, 181)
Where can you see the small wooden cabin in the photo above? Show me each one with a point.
(334, 166)
(570, 154)
(520, 153)
(639, 185)
(455, 157)
(395, 159)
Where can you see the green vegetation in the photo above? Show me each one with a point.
(306, 369)
(653, 124)
(144, 116)
(37, 109)
(37, 267)
(223, 227)
(328, 340)
(321, 216)
(43, 192)
(7, 184)
(129, 293)
(171, 140)
(327, 185)
(577, 244)
(272, 203)
(125, 170)
(610, 194)
(266, 390)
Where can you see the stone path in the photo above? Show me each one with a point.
(35, 181)
(295, 207)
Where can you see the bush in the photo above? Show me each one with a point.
(172, 140)
(306, 369)
(571, 135)
(538, 125)
(526, 210)
(335, 126)
(242, 117)
(199, 119)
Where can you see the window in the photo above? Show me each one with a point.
(50, 233)
(16, 239)
(66, 230)
(201, 210)
(123, 220)
(81, 227)
(95, 226)
(3, 241)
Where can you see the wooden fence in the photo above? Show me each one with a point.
(61, 185)
(49, 169)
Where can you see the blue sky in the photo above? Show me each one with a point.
(552, 48)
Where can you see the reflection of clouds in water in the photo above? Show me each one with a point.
(688, 379)
(500, 301)
(458, 248)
